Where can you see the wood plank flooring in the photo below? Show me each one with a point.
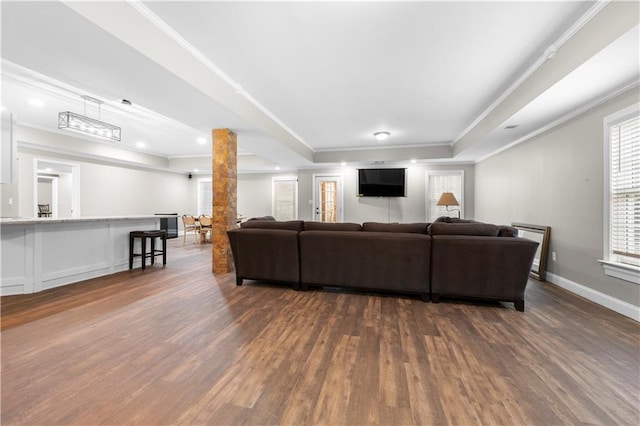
(177, 345)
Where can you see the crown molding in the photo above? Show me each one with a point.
(564, 118)
(549, 53)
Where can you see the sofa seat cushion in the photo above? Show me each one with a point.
(407, 228)
(327, 226)
(367, 260)
(290, 225)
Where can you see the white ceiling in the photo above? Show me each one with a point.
(306, 84)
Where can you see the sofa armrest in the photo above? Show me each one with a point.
(265, 254)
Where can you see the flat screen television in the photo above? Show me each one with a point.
(381, 183)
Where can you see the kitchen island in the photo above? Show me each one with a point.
(42, 253)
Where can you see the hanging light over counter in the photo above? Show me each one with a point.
(81, 123)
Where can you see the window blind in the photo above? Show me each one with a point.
(625, 191)
(285, 199)
(205, 199)
(437, 184)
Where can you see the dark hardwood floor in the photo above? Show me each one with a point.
(177, 345)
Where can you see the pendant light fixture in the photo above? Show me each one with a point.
(81, 123)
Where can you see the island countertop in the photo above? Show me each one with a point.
(38, 253)
(45, 220)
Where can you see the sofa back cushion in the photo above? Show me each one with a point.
(405, 228)
(477, 229)
(371, 260)
(508, 231)
(261, 218)
(326, 226)
(290, 225)
(448, 219)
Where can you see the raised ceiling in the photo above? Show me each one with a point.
(306, 84)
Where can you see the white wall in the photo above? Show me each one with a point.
(8, 167)
(254, 195)
(110, 190)
(556, 179)
(113, 190)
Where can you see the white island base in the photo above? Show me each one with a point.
(42, 253)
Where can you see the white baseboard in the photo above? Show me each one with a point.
(617, 305)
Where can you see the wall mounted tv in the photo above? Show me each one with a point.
(381, 183)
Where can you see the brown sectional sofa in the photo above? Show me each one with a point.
(461, 259)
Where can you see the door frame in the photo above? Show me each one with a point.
(54, 195)
(75, 186)
(340, 196)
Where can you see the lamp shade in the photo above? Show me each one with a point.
(447, 199)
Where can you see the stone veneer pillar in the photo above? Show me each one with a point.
(224, 185)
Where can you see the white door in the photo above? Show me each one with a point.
(327, 198)
(284, 199)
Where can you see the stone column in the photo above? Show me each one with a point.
(224, 185)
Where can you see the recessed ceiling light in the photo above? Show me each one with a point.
(381, 136)
(202, 141)
(343, 164)
(48, 170)
(36, 103)
(277, 167)
(196, 170)
(140, 144)
(414, 161)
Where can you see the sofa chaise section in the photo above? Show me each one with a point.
(480, 261)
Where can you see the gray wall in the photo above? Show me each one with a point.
(254, 195)
(556, 179)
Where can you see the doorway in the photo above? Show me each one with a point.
(327, 198)
(48, 192)
(58, 184)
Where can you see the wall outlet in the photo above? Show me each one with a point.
(10, 201)
(553, 256)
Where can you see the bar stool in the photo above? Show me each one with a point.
(143, 235)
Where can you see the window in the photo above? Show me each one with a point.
(285, 198)
(205, 196)
(439, 182)
(622, 194)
